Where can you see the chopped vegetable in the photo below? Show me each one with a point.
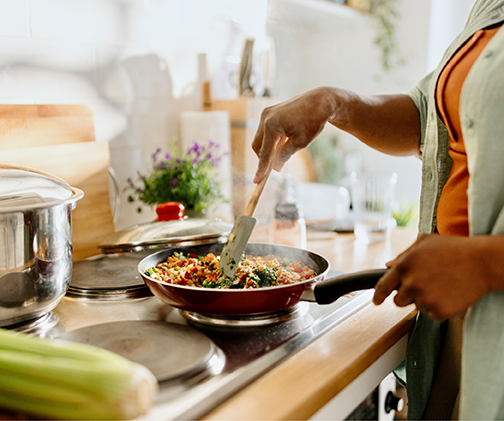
(252, 272)
(59, 379)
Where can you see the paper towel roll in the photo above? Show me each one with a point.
(205, 127)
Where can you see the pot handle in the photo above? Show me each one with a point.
(328, 291)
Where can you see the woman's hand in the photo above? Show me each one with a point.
(444, 275)
(300, 120)
(387, 123)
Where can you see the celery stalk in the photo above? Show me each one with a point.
(70, 381)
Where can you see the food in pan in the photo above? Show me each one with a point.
(252, 272)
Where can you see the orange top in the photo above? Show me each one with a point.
(452, 218)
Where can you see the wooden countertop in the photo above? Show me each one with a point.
(309, 379)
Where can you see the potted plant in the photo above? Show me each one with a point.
(189, 178)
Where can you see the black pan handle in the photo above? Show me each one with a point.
(328, 291)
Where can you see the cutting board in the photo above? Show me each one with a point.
(60, 140)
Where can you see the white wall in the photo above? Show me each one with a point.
(442, 31)
(334, 46)
(135, 63)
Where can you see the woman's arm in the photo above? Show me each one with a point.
(387, 123)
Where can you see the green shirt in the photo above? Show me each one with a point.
(482, 120)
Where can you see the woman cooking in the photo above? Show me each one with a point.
(454, 273)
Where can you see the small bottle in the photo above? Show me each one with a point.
(289, 227)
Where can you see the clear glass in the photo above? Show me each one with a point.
(372, 198)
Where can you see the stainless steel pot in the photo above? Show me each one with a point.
(35, 242)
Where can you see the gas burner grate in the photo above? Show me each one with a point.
(300, 309)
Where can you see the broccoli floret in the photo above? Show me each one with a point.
(152, 273)
(225, 283)
(209, 284)
(267, 276)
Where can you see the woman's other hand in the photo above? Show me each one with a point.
(444, 275)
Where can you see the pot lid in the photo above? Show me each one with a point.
(25, 188)
(167, 234)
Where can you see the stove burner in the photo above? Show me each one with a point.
(37, 326)
(294, 312)
(113, 276)
(173, 352)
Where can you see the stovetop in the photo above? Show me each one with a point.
(199, 360)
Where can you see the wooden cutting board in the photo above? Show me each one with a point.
(60, 140)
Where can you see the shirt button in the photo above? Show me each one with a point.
(469, 122)
(429, 176)
(415, 363)
(488, 53)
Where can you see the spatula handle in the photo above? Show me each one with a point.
(256, 195)
(254, 200)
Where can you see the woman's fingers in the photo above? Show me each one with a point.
(385, 285)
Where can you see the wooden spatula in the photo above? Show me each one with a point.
(243, 226)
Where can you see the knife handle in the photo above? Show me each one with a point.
(328, 291)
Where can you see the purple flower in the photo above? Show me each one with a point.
(178, 160)
(193, 148)
(195, 161)
(170, 166)
(168, 155)
(161, 166)
(174, 182)
(155, 154)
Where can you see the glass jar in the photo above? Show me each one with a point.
(289, 227)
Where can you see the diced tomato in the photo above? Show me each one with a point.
(193, 256)
(209, 257)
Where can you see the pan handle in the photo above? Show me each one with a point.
(328, 291)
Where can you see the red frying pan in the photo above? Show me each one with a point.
(241, 302)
